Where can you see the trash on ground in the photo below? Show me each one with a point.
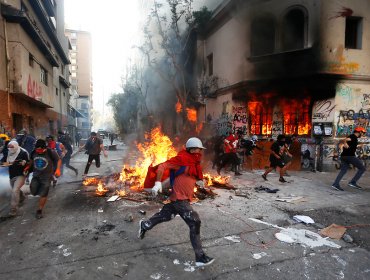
(100, 210)
(242, 193)
(304, 219)
(333, 231)
(233, 238)
(113, 198)
(290, 199)
(129, 217)
(265, 189)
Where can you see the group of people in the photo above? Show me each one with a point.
(44, 158)
(235, 150)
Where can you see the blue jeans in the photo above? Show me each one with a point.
(345, 162)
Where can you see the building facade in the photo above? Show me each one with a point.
(81, 78)
(288, 67)
(34, 87)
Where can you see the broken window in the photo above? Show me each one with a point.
(260, 118)
(294, 30)
(43, 75)
(262, 36)
(353, 36)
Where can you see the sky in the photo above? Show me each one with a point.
(114, 28)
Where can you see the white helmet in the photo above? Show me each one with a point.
(254, 138)
(194, 142)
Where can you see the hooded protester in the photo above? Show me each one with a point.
(276, 158)
(26, 141)
(186, 173)
(17, 158)
(42, 164)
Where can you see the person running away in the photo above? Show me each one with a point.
(189, 173)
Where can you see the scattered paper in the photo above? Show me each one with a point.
(284, 237)
(333, 231)
(304, 219)
(113, 198)
(100, 210)
(257, 256)
(233, 238)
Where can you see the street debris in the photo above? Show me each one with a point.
(257, 256)
(128, 217)
(113, 198)
(242, 193)
(299, 236)
(233, 238)
(333, 231)
(142, 212)
(291, 199)
(265, 189)
(303, 219)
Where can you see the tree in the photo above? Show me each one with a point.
(169, 46)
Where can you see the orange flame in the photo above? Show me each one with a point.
(192, 114)
(121, 193)
(101, 190)
(215, 179)
(178, 107)
(157, 149)
(199, 128)
(91, 181)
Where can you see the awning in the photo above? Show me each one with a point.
(78, 113)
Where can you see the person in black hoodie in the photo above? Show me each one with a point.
(16, 158)
(42, 165)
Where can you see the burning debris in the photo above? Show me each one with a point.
(129, 184)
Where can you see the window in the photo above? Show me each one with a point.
(294, 30)
(64, 93)
(85, 125)
(260, 118)
(84, 106)
(30, 60)
(210, 64)
(63, 69)
(43, 75)
(353, 36)
(56, 92)
(262, 36)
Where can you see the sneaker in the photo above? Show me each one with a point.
(264, 177)
(142, 231)
(355, 186)
(282, 180)
(204, 261)
(338, 188)
(39, 214)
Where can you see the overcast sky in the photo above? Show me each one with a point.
(114, 28)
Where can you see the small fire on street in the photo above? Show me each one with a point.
(129, 183)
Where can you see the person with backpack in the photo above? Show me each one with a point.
(44, 163)
(186, 174)
(61, 151)
(94, 145)
(347, 157)
(17, 158)
(64, 140)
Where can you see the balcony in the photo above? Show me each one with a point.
(29, 25)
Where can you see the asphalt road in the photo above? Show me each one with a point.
(85, 237)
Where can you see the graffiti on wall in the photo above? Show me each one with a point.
(34, 89)
(323, 110)
(224, 124)
(340, 65)
(240, 119)
(277, 122)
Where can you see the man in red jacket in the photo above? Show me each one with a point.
(188, 174)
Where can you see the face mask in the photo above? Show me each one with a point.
(12, 150)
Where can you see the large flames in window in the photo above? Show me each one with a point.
(286, 116)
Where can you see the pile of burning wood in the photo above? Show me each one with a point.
(129, 183)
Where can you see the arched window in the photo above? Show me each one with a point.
(294, 30)
(262, 36)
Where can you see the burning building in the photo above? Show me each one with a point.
(288, 67)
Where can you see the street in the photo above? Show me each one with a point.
(83, 236)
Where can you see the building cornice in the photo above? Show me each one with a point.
(17, 16)
(44, 19)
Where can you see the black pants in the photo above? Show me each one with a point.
(186, 212)
(229, 158)
(90, 160)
